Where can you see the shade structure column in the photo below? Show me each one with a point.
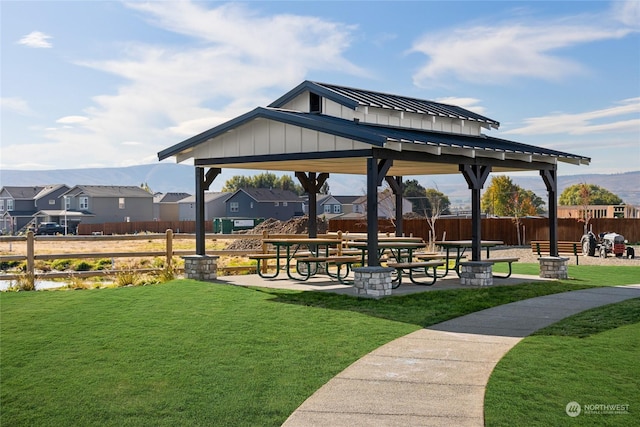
(312, 184)
(395, 183)
(203, 182)
(475, 175)
(550, 178)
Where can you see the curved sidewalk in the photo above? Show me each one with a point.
(437, 376)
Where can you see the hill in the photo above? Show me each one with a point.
(171, 177)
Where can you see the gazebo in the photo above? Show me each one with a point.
(317, 129)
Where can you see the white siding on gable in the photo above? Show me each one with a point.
(293, 139)
(263, 137)
(331, 108)
(276, 137)
(309, 140)
(299, 103)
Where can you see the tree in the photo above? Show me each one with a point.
(574, 195)
(498, 199)
(504, 198)
(263, 180)
(415, 193)
(438, 205)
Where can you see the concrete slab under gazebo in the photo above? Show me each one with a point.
(317, 129)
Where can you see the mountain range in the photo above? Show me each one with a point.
(171, 177)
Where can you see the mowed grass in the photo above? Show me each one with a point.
(193, 353)
(590, 358)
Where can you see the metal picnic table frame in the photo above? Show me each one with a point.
(314, 244)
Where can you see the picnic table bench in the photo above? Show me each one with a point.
(498, 260)
(338, 260)
(413, 265)
(567, 248)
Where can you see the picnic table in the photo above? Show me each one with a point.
(462, 245)
(400, 248)
(288, 248)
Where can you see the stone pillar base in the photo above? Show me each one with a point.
(201, 267)
(476, 273)
(372, 281)
(553, 267)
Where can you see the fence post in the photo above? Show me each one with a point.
(30, 253)
(265, 249)
(169, 247)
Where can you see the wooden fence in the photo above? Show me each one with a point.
(167, 253)
(503, 229)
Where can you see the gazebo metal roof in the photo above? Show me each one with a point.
(316, 129)
(428, 152)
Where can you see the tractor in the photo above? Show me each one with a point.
(604, 244)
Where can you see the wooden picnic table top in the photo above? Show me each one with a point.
(302, 241)
(468, 243)
(389, 245)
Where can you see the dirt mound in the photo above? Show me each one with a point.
(297, 225)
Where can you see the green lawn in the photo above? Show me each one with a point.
(192, 353)
(590, 358)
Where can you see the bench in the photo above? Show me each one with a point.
(262, 272)
(336, 260)
(401, 266)
(567, 248)
(507, 260)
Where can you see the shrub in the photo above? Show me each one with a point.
(127, 278)
(103, 264)
(24, 282)
(75, 282)
(167, 274)
(82, 266)
(61, 264)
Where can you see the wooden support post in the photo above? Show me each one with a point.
(265, 249)
(475, 175)
(30, 254)
(550, 178)
(169, 248)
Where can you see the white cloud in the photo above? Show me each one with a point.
(68, 120)
(498, 52)
(622, 117)
(17, 105)
(239, 60)
(36, 39)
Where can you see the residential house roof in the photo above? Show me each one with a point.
(23, 193)
(209, 196)
(169, 197)
(110, 191)
(269, 195)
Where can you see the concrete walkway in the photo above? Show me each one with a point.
(437, 376)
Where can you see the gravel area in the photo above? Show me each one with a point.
(526, 255)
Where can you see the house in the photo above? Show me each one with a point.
(106, 203)
(264, 203)
(329, 206)
(214, 206)
(165, 206)
(386, 205)
(21, 207)
(599, 211)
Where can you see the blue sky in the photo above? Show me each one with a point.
(105, 83)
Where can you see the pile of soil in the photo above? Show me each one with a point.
(297, 225)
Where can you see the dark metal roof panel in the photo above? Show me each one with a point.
(352, 97)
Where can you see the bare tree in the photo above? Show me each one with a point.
(438, 204)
